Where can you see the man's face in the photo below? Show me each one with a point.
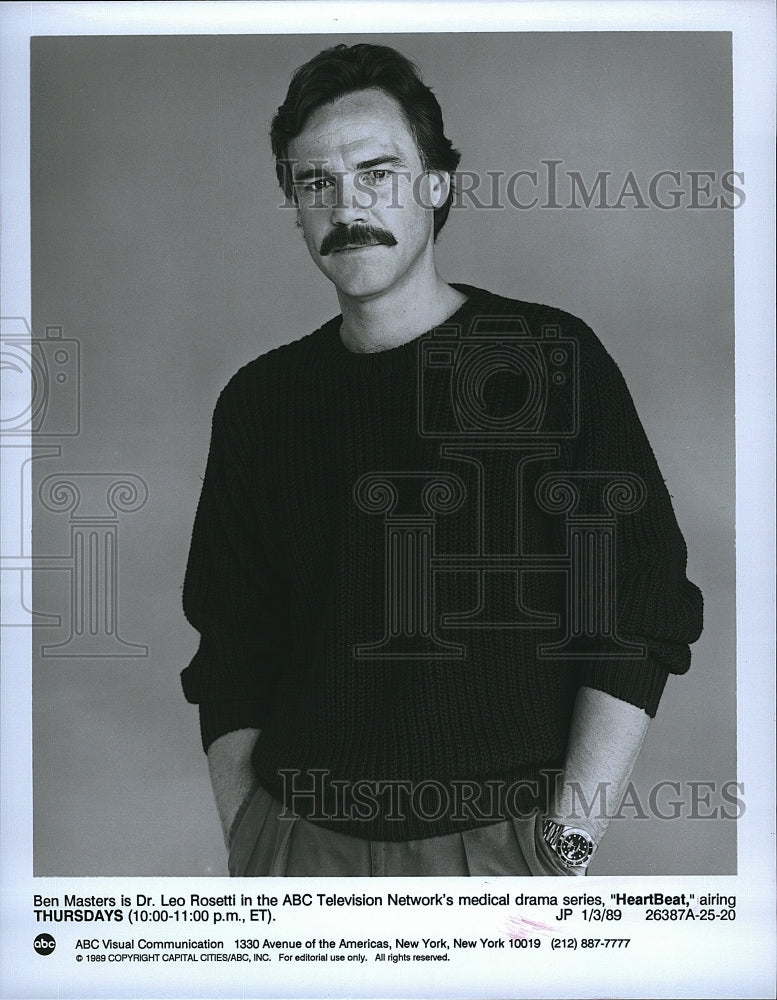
(365, 203)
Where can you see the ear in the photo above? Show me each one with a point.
(439, 182)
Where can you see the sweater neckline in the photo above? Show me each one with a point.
(394, 358)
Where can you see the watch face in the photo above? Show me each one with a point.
(574, 848)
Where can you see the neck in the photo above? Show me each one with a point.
(397, 315)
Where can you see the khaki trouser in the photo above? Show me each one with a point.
(265, 842)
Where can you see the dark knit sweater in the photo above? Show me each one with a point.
(350, 570)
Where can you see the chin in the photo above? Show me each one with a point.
(361, 289)
(361, 282)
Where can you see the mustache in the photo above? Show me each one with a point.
(355, 236)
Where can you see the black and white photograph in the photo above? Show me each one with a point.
(385, 407)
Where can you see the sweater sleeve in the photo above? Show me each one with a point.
(228, 593)
(656, 606)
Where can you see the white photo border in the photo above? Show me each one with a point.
(749, 968)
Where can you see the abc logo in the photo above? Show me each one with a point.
(44, 944)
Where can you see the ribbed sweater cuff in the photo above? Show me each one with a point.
(640, 684)
(220, 717)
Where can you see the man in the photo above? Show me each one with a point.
(435, 569)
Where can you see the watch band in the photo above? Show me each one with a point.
(574, 847)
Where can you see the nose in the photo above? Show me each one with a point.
(350, 204)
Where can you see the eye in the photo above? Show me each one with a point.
(317, 184)
(374, 177)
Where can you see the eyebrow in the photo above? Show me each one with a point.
(387, 159)
(378, 161)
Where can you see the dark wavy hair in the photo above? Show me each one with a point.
(345, 68)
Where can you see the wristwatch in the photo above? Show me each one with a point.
(573, 846)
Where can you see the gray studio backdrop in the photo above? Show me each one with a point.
(162, 263)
